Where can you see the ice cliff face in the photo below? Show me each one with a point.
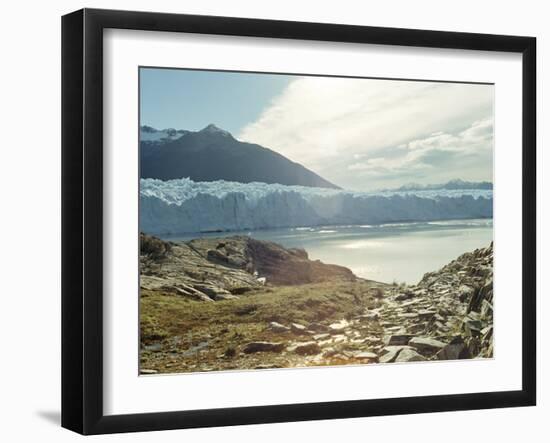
(185, 206)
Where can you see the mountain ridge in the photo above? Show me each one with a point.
(454, 184)
(214, 154)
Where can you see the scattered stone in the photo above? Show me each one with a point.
(263, 346)
(398, 340)
(426, 313)
(409, 303)
(213, 292)
(487, 333)
(297, 328)
(338, 326)
(486, 309)
(376, 292)
(408, 315)
(318, 327)
(473, 345)
(222, 296)
(155, 347)
(453, 351)
(464, 293)
(371, 316)
(391, 353)
(148, 371)
(321, 336)
(267, 366)
(278, 327)
(308, 348)
(405, 295)
(426, 345)
(330, 352)
(472, 327)
(371, 356)
(407, 355)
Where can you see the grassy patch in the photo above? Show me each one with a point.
(180, 324)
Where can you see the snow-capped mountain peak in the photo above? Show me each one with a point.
(213, 129)
(152, 135)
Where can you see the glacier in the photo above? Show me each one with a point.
(185, 206)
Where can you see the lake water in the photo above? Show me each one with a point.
(401, 252)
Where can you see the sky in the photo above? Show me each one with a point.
(361, 134)
(188, 99)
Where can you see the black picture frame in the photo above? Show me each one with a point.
(82, 218)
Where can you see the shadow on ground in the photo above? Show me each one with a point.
(54, 417)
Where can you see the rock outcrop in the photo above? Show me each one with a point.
(212, 269)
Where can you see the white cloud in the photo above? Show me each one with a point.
(439, 151)
(335, 125)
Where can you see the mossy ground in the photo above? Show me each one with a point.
(182, 335)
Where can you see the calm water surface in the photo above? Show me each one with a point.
(401, 252)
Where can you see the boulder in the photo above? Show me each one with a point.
(452, 351)
(473, 345)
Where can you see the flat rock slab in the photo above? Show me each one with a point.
(398, 340)
(426, 313)
(407, 355)
(391, 353)
(426, 344)
(263, 346)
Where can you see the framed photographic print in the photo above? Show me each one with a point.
(269, 221)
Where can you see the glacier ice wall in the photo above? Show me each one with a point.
(184, 206)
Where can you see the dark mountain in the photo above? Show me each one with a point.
(214, 154)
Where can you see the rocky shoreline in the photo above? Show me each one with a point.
(239, 303)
